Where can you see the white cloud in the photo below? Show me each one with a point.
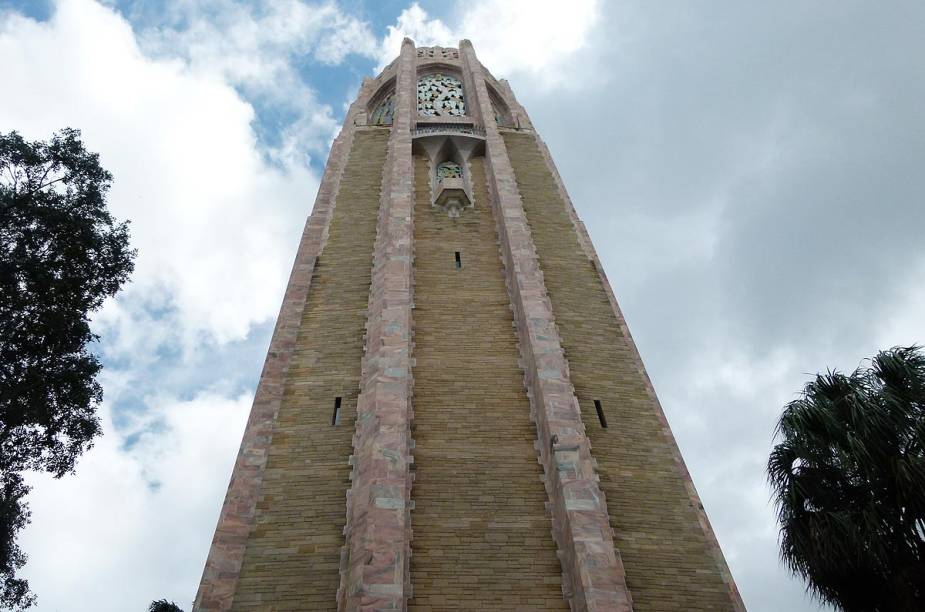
(509, 36)
(209, 214)
(135, 524)
(414, 23)
(260, 46)
(528, 36)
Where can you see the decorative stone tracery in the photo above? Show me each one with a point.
(440, 95)
(449, 169)
(384, 111)
(438, 52)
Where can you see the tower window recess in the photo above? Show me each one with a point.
(458, 261)
(384, 111)
(449, 169)
(335, 416)
(600, 413)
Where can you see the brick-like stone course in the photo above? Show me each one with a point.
(593, 577)
(666, 552)
(293, 553)
(481, 534)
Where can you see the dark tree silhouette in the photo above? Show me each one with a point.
(61, 255)
(14, 515)
(849, 481)
(162, 605)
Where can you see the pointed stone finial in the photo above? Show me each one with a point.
(407, 41)
(465, 42)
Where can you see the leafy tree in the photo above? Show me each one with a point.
(61, 255)
(14, 515)
(849, 481)
(162, 605)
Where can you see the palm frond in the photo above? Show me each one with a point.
(848, 479)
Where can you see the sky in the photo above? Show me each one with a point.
(750, 173)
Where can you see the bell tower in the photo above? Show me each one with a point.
(452, 413)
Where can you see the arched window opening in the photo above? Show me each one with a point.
(384, 111)
(499, 109)
(440, 95)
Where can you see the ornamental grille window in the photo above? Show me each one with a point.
(449, 169)
(384, 112)
(440, 95)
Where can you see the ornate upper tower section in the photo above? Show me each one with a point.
(442, 83)
(452, 413)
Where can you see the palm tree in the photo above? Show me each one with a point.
(848, 478)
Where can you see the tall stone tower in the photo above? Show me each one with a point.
(452, 413)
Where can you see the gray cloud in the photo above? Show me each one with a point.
(751, 177)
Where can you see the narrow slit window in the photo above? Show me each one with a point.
(335, 417)
(458, 261)
(600, 413)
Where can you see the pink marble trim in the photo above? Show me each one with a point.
(375, 560)
(593, 576)
(587, 246)
(238, 513)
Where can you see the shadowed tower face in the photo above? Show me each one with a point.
(452, 413)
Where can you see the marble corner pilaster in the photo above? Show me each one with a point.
(584, 240)
(593, 575)
(375, 571)
(238, 514)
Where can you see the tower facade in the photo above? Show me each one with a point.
(452, 413)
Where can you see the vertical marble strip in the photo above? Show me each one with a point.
(375, 562)
(587, 246)
(593, 576)
(238, 513)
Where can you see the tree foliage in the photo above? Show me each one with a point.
(849, 481)
(61, 255)
(14, 515)
(162, 605)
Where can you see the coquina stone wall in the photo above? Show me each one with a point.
(481, 532)
(293, 554)
(428, 432)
